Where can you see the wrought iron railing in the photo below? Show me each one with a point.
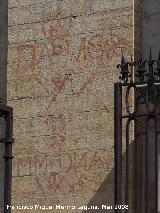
(6, 113)
(136, 161)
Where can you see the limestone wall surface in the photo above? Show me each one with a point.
(61, 71)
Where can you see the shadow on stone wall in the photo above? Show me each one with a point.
(105, 193)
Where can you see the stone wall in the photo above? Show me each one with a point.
(151, 30)
(61, 71)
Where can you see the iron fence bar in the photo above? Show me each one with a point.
(118, 143)
(156, 166)
(149, 111)
(127, 166)
(147, 98)
(140, 115)
(135, 155)
(8, 141)
(131, 85)
(146, 166)
(144, 83)
(5, 109)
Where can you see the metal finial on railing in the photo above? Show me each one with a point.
(136, 106)
(124, 70)
(131, 65)
(145, 70)
(150, 65)
(140, 72)
(158, 66)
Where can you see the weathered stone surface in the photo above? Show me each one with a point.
(23, 187)
(70, 26)
(60, 124)
(33, 11)
(89, 46)
(61, 72)
(37, 204)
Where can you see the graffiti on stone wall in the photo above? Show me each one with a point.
(95, 49)
(54, 86)
(70, 171)
(91, 48)
(56, 31)
(57, 125)
(56, 122)
(66, 172)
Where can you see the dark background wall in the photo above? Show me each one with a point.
(151, 27)
(3, 79)
(3, 48)
(151, 34)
